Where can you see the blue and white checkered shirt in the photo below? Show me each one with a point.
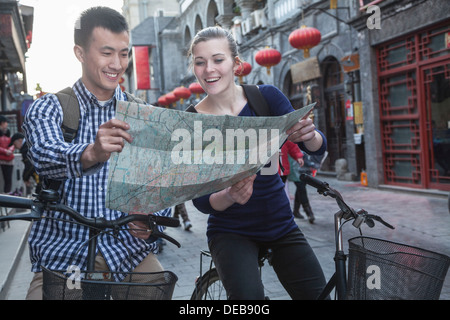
(55, 244)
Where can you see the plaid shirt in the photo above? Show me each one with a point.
(57, 244)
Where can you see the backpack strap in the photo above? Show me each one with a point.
(191, 108)
(71, 113)
(256, 101)
(71, 118)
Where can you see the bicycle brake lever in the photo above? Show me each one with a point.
(379, 219)
(359, 220)
(362, 216)
(159, 234)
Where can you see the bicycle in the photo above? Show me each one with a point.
(208, 286)
(95, 285)
(378, 269)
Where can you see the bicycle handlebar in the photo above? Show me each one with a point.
(313, 182)
(360, 216)
(46, 201)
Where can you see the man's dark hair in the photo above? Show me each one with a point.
(94, 17)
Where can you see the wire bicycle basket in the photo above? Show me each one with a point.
(384, 270)
(77, 284)
(97, 285)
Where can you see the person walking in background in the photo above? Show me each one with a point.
(6, 154)
(17, 142)
(301, 194)
(180, 211)
(289, 149)
(29, 173)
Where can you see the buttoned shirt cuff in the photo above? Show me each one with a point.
(75, 166)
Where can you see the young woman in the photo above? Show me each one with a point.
(254, 214)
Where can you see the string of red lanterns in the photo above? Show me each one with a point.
(182, 93)
(196, 88)
(171, 98)
(162, 101)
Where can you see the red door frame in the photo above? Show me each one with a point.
(413, 63)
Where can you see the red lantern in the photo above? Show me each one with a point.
(268, 58)
(196, 88)
(162, 101)
(171, 98)
(244, 69)
(182, 93)
(305, 38)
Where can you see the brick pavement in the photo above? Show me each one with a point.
(420, 220)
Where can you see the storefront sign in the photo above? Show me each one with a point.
(357, 110)
(305, 70)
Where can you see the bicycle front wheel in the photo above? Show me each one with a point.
(209, 287)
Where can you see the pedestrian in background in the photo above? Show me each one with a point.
(29, 173)
(6, 154)
(17, 142)
(180, 211)
(301, 194)
(288, 150)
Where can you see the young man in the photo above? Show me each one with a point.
(101, 46)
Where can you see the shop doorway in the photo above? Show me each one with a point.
(334, 108)
(436, 83)
(415, 108)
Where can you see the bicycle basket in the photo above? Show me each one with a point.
(385, 270)
(61, 285)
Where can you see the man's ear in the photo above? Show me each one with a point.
(79, 53)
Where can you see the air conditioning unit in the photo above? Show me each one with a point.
(237, 33)
(259, 17)
(247, 25)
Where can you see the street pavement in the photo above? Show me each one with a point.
(420, 219)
